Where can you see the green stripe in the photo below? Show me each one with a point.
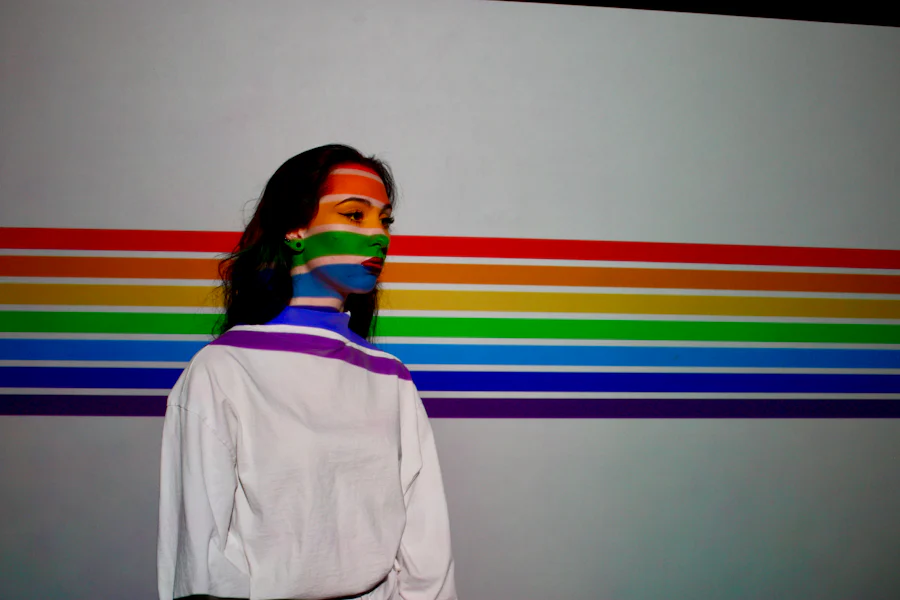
(341, 242)
(638, 330)
(98, 322)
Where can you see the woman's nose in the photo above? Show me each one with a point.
(381, 242)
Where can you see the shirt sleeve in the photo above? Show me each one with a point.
(197, 486)
(425, 560)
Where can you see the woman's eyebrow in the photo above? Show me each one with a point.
(363, 200)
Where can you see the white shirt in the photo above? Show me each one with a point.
(298, 462)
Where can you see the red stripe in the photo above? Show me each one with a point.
(467, 247)
(646, 252)
(118, 239)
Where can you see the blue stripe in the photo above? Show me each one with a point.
(11, 349)
(643, 356)
(450, 354)
(320, 282)
(67, 377)
(655, 382)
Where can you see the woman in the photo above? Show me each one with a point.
(297, 459)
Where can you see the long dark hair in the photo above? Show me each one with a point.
(256, 275)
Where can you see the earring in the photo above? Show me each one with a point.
(296, 244)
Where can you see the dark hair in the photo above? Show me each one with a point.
(256, 278)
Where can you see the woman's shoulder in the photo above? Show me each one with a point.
(214, 355)
(381, 361)
(214, 366)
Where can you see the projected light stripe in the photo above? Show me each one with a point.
(483, 354)
(207, 269)
(746, 332)
(149, 405)
(473, 381)
(672, 304)
(218, 242)
(462, 327)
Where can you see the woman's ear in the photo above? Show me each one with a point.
(294, 240)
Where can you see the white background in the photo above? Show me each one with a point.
(499, 119)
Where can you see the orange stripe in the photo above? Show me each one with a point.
(193, 268)
(331, 214)
(639, 278)
(355, 184)
(76, 266)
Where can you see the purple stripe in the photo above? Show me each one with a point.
(499, 408)
(83, 406)
(315, 345)
(576, 408)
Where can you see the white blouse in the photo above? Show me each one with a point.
(298, 462)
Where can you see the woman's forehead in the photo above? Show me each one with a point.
(351, 167)
(354, 181)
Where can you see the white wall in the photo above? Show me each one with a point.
(580, 510)
(500, 120)
(583, 123)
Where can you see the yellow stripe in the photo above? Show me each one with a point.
(640, 304)
(109, 295)
(669, 304)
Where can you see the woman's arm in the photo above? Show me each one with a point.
(425, 561)
(197, 486)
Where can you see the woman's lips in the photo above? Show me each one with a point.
(373, 264)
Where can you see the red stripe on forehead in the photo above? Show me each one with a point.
(362, 184)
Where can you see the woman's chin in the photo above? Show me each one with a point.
(361, 285)
(349, 279)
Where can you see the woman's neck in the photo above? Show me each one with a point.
(322, 309)
(309, 290)
(317, 302)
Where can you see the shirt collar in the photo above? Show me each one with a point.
(324, 318)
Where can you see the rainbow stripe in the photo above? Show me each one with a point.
(101, 322)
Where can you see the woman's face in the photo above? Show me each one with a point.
(346, 243)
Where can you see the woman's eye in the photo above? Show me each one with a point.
(354, 216)
(387, 221)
